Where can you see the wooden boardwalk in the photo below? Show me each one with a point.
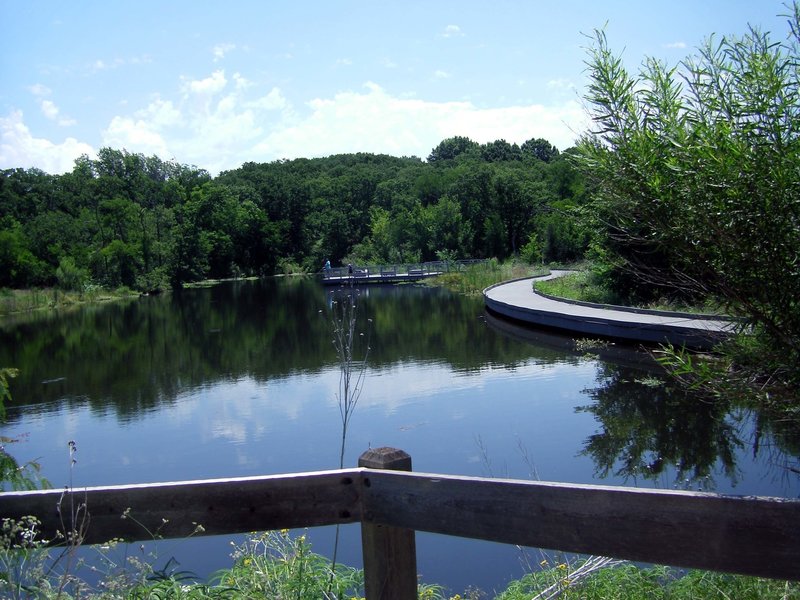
(517, 300)
(371, 278)
(394, 273)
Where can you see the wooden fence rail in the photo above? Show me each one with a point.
(748, 535)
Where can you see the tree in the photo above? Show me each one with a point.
(500, 151)
(18, 265)
(451, 147)
(448, 231)
(696, 168)
(518, 195)
(540, 149)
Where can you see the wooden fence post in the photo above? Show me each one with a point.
(390, 553)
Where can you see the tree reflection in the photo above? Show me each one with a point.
(651, 427)
(130, 358)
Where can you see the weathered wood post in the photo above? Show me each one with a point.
(390, 553)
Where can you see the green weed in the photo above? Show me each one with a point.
(629, 582)
(472, 280)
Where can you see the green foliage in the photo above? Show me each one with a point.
(276, 565)
(451, 148)
(18, 265)
(531, 252)
(583, 285)
(695, 168)
(70, 276)
(629, 582)
(473, 279)
(12, 475)
(6, 373)
(539, 149)
(23, 560)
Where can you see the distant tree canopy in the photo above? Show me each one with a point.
(138, 221)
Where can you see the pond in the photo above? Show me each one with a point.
(241, 379)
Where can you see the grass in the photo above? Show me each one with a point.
(474, 279)
(279, 565)
(22, 301)
(629, 582)
(584, 287)
(576, 286)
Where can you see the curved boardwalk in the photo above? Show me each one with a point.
(517, 300)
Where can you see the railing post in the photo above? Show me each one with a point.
(390, 553)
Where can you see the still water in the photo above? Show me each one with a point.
(242, 378)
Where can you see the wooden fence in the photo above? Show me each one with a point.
(737, 534)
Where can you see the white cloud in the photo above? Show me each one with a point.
(272, 101)
(439, 74)
(211, 85)
(213, 125)
(107, 65)
(219, 126)
(242, 83)
(452, 31)
(678, 45)
(142, 132)
(378, 122)
(135, 135)
(40, 90)
(51, 111)
(162, 113)
(220, 50)
(18, 148)
(560, 84)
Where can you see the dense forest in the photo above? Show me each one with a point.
(126, 219)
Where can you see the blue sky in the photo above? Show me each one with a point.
(217, 84)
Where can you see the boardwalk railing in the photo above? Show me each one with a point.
(747, 535)
(395, 269)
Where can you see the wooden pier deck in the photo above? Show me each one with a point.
(370, 278)
(395, 273)
(517, 300)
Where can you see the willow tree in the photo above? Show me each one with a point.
(697, 174)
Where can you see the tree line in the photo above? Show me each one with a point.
(125, 219)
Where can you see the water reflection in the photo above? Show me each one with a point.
(654, 431)
(137, 356)
(649, 427)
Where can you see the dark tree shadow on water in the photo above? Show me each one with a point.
(651, 428)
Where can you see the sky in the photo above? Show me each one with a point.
(218, 84)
